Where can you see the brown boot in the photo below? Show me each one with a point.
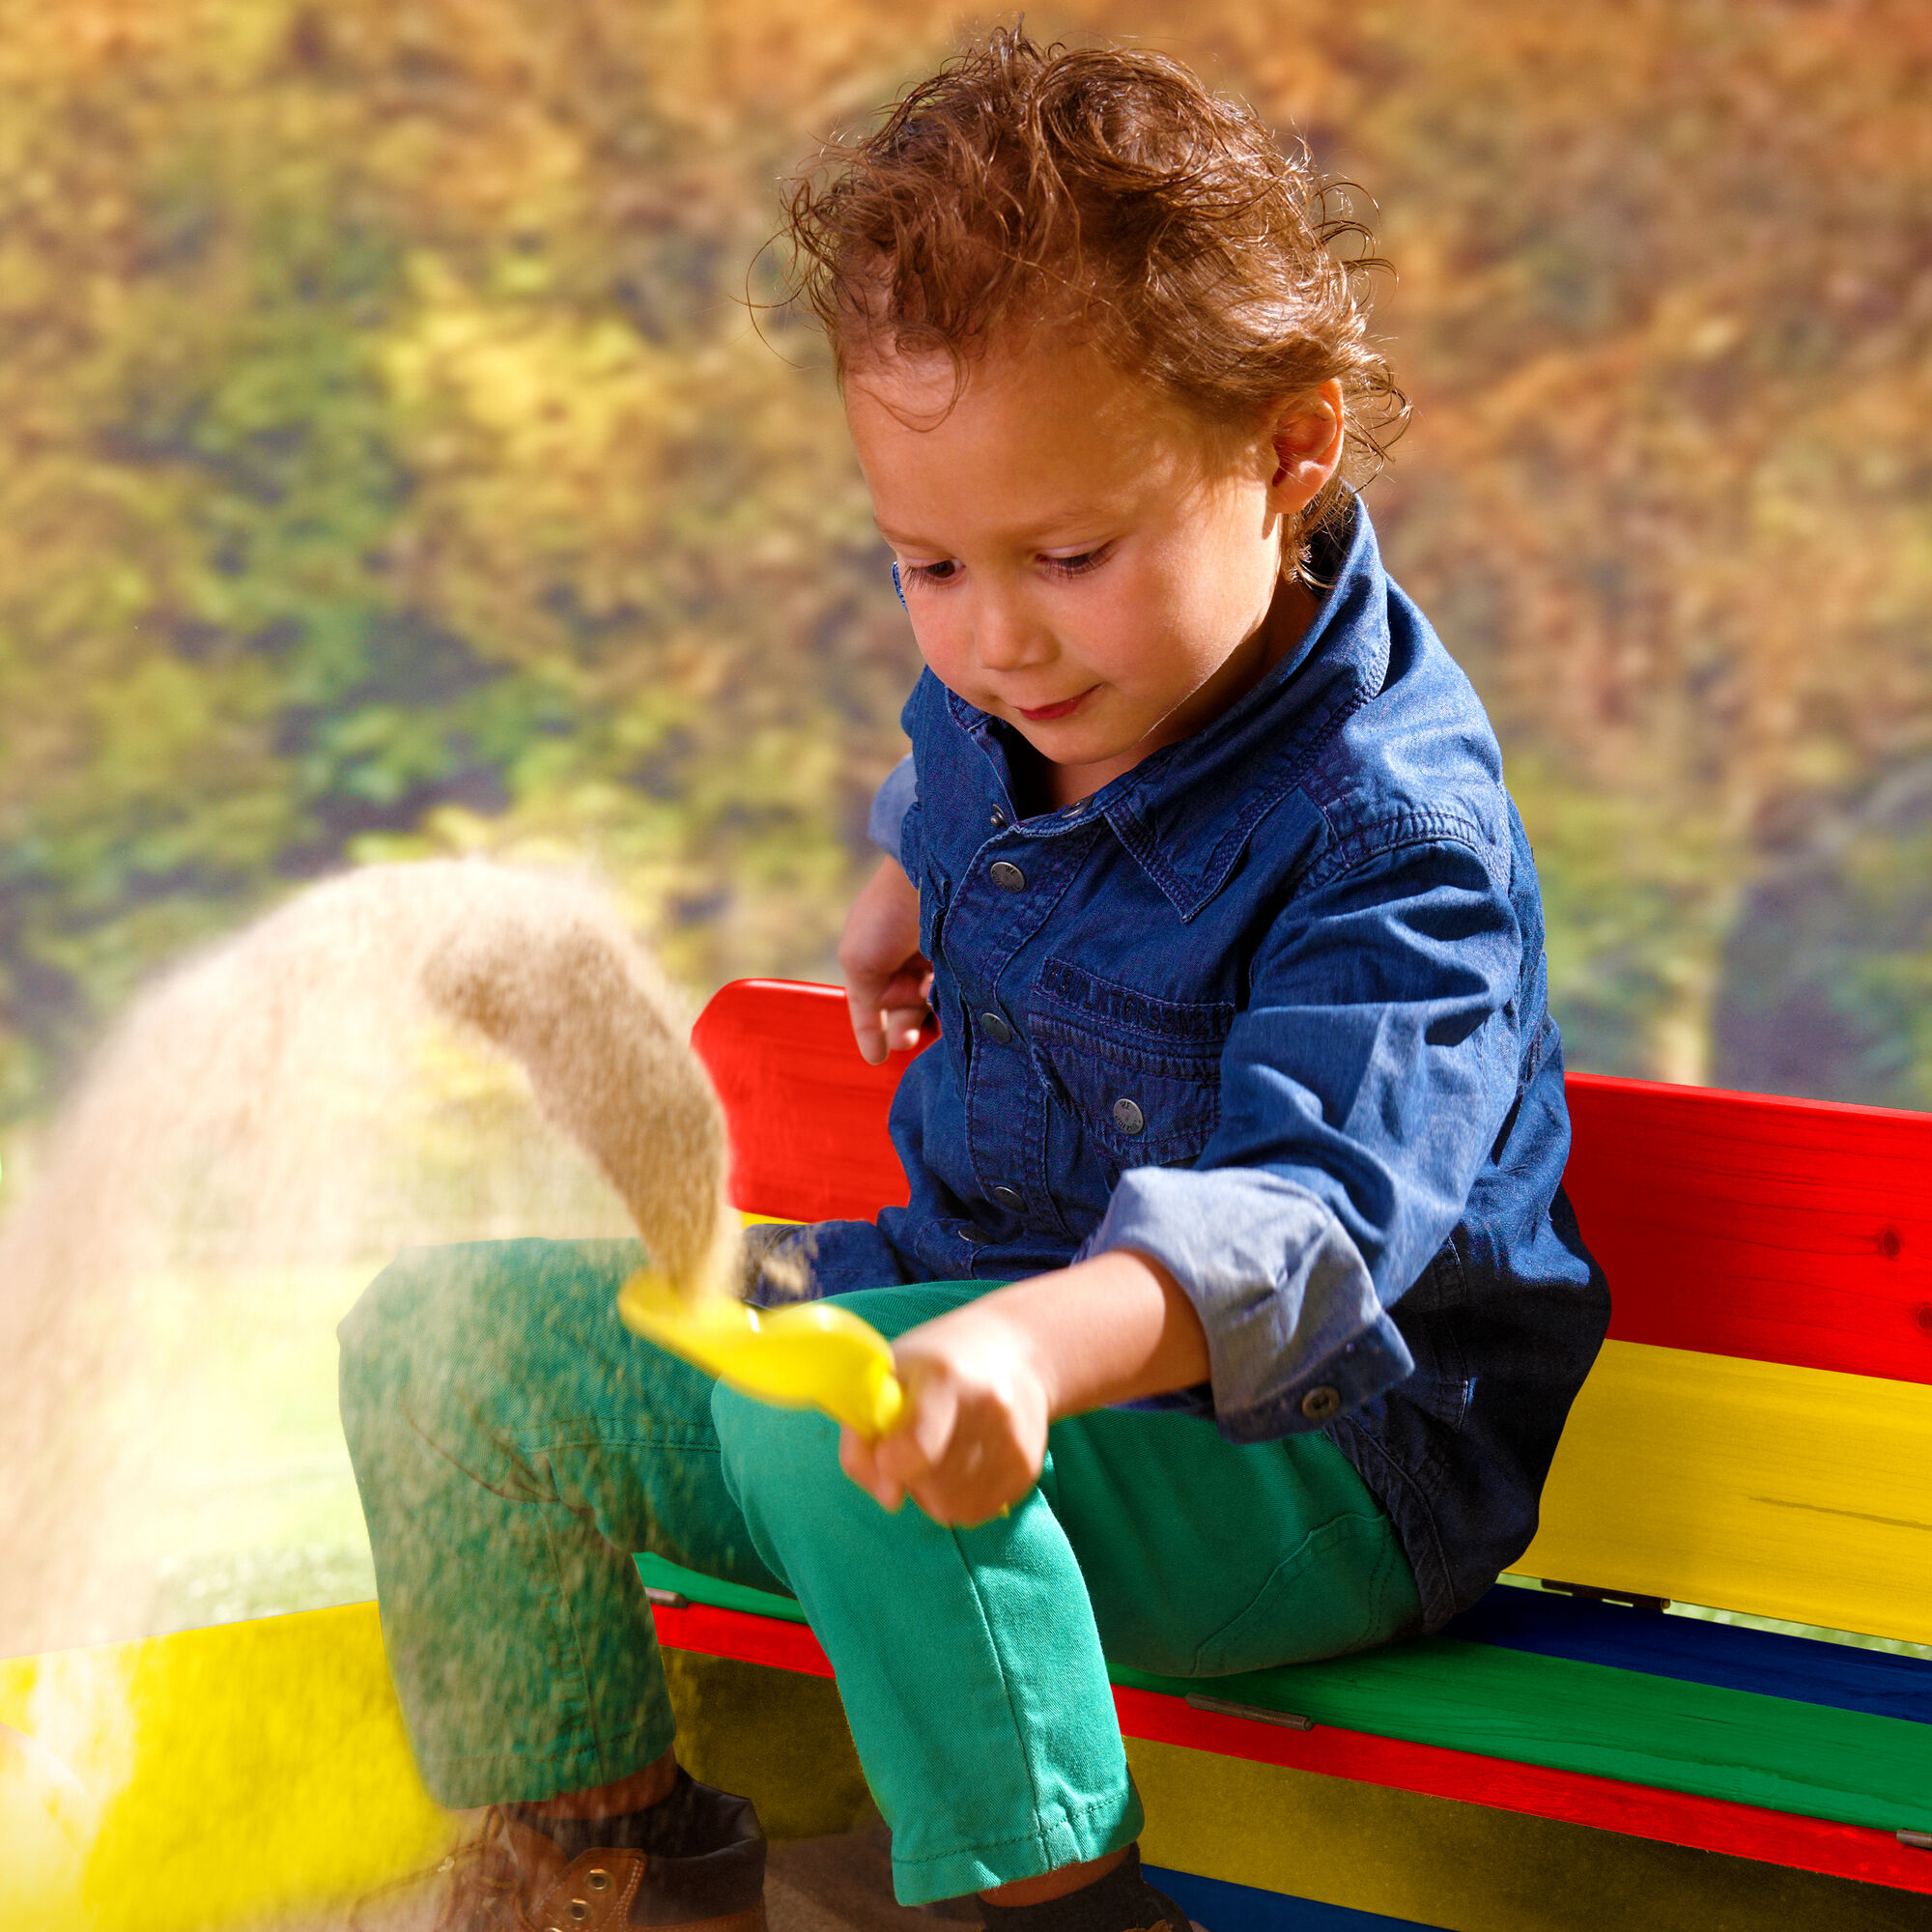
(514, 1877)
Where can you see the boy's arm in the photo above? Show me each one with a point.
(1363, 1085)
(1361, 1088)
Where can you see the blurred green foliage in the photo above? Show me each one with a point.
(392, 466)
(1828, 969)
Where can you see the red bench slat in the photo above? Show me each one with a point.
(1733, 1224)
(808, 1115)
(1637, 1810)
(1745, 1224)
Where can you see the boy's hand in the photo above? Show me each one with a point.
(975, 1430)
(887, 981)
(983, 1380)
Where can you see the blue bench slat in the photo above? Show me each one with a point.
(1222, 1906)
(1728, 1656)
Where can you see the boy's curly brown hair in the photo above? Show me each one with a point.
(1106, 189)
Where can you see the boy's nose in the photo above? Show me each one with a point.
(1005, 639)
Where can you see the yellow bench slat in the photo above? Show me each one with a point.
(1788, 1492)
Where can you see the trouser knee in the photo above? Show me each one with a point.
(418, 1334)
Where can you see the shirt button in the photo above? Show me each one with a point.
(973, 1237)
(994, 1026)
(1007, 876)
(1010, 1198)
(1128, 1117)
(999, 817)
(1321, 1405)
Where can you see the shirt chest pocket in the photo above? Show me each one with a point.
(1140, 1074)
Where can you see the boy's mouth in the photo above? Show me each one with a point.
(1065, 708)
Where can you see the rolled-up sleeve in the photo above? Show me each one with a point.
(1361, 1088)
(889, 806)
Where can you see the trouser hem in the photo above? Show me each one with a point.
(1103, 1826)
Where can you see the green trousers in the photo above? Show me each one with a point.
(514, 1444)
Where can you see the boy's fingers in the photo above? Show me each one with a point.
(909, 1458)
(866, 1028)
(898, 1457)
(857, 1459)
(904, 1026)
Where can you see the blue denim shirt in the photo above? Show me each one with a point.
(1269, 1008)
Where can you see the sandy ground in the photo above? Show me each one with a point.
(845, 1884)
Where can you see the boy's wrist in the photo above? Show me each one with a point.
(1113, 1328)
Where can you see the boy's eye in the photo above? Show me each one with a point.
(932, 573)
(1079, 564)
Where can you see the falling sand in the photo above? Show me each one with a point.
(255, 1107)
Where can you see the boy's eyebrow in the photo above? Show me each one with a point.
(1018, 534)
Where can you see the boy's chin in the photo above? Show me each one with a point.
(1065, 744)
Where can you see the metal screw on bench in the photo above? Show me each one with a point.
(1226, 1707)
(1590, 1592)
(1919, 1841)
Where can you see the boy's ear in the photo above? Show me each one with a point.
(1309, 437)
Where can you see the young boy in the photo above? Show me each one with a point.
(1245, 1090)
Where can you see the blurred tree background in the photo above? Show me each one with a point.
(391, 467)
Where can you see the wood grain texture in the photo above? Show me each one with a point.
(1783, 1491)
(1733, 1224)
(806, 1116)
(1699, 1651)
(1699, 1739)
(1472, 1777)
(1747, 1224)
(1720, 1741)
(1427, 1857)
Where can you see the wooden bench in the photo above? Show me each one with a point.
(1757, 1437)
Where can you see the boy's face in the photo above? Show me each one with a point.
(1080, 556)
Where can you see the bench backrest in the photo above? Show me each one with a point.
(1758, 1434)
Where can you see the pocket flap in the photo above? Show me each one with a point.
(1140, 1074)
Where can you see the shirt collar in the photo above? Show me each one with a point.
(1186, 812)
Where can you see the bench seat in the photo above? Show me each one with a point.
(1817, 1755)
(1753, 1438)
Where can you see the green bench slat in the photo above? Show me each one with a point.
(1816, 1760)
(1847, 1766)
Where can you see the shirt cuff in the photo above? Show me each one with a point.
(1297, 1334)
(889, 806)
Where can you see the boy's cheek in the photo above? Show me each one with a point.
(949, 661)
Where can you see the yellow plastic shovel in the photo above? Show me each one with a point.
(806, 1355)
